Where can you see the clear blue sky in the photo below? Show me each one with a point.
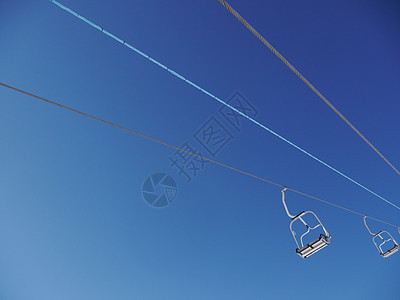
(73, 223)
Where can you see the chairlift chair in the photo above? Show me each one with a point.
(386, 253)
(309, 249)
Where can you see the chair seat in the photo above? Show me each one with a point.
(313, 247)
(390, 251)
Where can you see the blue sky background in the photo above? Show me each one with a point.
(73, 224)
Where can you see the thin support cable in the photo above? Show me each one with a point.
(190, 153)
(295, 71)
(219, 100)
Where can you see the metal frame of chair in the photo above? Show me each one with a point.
(387, 253)
(309, 249)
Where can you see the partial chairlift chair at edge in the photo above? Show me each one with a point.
(383, 253)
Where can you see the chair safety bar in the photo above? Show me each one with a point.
(307, 250)
(383, 240)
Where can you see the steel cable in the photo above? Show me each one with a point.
(295, 71)
(188, 152)
(219, 100)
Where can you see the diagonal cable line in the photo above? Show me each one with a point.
(191, 153)
(219, 100)
(314, 89)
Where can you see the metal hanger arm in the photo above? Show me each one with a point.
(365, 222)
(284, 204)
